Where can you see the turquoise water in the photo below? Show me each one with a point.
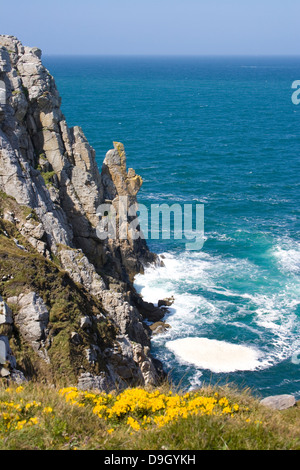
(222, 132)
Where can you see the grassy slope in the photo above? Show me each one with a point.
(62, 425)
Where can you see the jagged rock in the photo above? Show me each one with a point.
(149, 311)
(3, 352)
(119, 183)
(9, 216)
(51, 169)
(279, 402)
(17, 377)
(121, 360)
(5, 313)
(4, 372)
(6, 353)
(32, 318)
(126, 316)
(81, 270)
(159, 327)
(31, 230)
(85, 323)
(166, 302)
(88, 381)
(93, 353)
(116, 180)
(147, 367)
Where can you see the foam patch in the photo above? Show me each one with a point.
(217, 356)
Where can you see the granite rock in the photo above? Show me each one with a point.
(51, 170)
(279, 402)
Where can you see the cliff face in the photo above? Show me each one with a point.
(71, 309)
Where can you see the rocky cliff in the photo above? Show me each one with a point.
(68, 310)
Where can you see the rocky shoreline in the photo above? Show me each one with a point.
(68, 308)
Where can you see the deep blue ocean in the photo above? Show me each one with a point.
(222, 132)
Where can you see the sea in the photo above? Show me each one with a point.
(222, 133)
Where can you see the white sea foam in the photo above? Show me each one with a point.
(212, 291)
(287, 254)
(217, 356)
(179, 277)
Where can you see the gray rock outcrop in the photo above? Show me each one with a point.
(5, 313)
(8, 362)
(51, 169)
(279, 402)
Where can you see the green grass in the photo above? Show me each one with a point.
(55, 424)
(48, 177)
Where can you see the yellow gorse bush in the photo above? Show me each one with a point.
(139, 408)
(14, 416)
(136, 408)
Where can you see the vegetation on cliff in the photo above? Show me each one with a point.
(34, 417)
(23, 270)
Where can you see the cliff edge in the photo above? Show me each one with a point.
(68, 309)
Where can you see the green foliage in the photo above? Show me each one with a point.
(48, 177)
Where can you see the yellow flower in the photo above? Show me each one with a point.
(47, 410)
(34, 420)
(223, 402)
(140, 408)
(133, 424)
(20, 425)
(227, 409)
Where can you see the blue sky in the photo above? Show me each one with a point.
(152, 27)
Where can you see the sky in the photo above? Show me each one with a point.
(155, 27)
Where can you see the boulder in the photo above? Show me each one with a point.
(166, 302)
(149, 311)
(88, 381)
(3, 352)
(159, 327)
(4, 372)
(5, 313)
(32, 318)
(17, 377)
(6, 357)
(279, 402)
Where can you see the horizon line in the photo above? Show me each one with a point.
(171, 55)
